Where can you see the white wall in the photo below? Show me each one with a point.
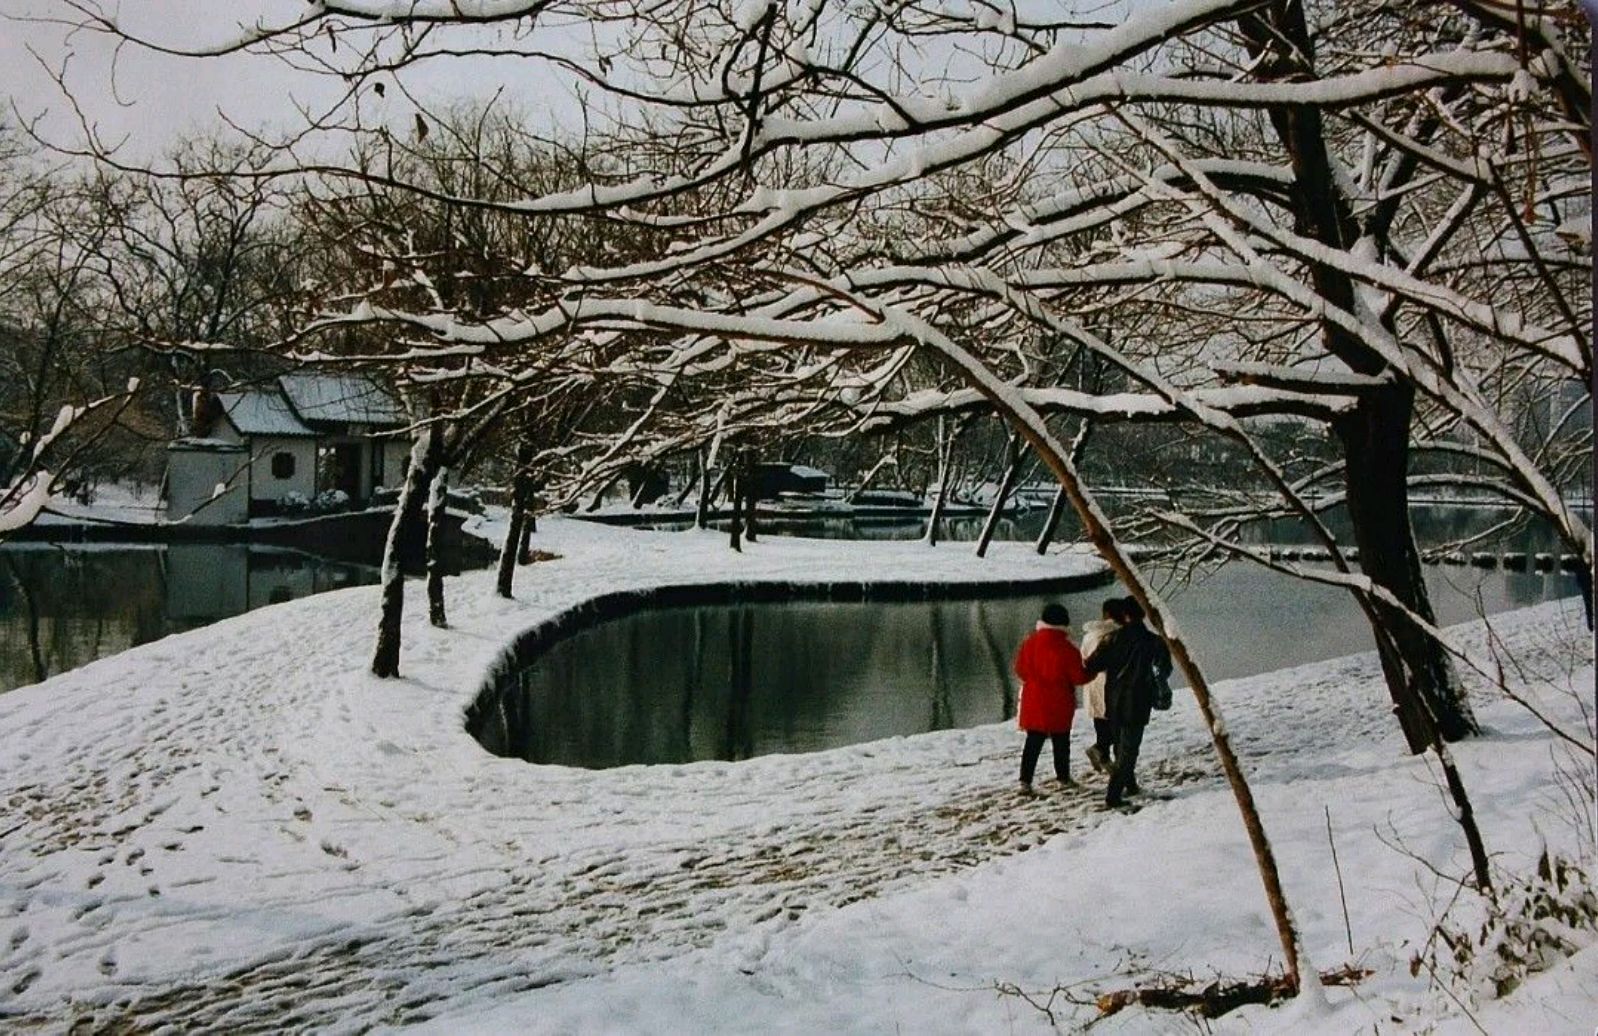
(192, 478)
(264, 485)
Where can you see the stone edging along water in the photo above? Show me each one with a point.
(485, 717)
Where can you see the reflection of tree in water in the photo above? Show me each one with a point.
(942, 707)
(62, 607)
(1000, 660)
(31, 610)
(57, 613)
(693, 679)
(740, 738)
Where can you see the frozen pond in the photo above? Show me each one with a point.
(62, 607)
(683, 684)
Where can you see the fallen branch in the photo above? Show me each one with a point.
(1218, 997)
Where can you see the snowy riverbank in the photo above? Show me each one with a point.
(239, 828)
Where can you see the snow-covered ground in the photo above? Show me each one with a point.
(125, 503)
(237, 828)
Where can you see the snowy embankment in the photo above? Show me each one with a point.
(238, 828)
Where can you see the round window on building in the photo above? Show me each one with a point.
(283, 465)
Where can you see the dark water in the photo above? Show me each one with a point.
(63, 607)
(672, 686)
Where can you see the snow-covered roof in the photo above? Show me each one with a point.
(341, 397)
(262, 412)
(803, 471)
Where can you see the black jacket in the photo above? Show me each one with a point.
(1131, 657)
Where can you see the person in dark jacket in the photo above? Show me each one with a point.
(1102, 750)
(1132, 658)
(1050, 668)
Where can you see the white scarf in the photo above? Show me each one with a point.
(1050, 626)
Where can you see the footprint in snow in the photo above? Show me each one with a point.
(21, 985)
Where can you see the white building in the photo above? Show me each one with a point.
(284, 443)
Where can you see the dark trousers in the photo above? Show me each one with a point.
(1104, 737)
(1034, 747)
(1128, 739)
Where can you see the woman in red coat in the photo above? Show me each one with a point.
(1050, 668)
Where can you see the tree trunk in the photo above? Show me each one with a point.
(945, 469)
(1011, 469)
(1079, 445)
(1419, 674)
(1031, 425)
(1051, 524)
(436, 505)
(751, 484)
(865, 483)
(505, 575)
(1375, 437)
(702, 508)
(516, 536)
(688, 484)
(524, 549)
(407, 510)
(736, 491)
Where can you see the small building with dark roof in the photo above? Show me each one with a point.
(298, 436)
(775, 479)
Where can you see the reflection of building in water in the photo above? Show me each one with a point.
(205, 582)
(272, 578)
(210, 581)
(60, 609)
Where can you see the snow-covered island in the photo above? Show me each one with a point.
(241, 829)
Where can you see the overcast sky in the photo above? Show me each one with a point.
(150, 99)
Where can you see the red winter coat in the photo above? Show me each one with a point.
(1049, 666)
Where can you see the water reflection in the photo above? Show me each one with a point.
(729, 683)
(734, 682)
(63, 607)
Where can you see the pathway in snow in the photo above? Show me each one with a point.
(238, 829)
(237, 826)
(571, 913)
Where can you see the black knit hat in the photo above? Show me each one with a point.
(1056, 615)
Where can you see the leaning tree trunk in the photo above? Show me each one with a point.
(1375, 437)
(437, 498)
(1031, 425)
(865, 483)
(424, 456)
(1051, 524)
(945, 468)
(1006, 484)
(517, 534)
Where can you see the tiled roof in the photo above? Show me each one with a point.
(262, 411)
(342, 397)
